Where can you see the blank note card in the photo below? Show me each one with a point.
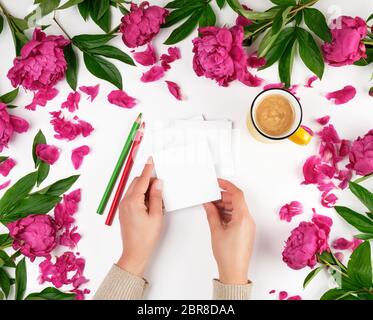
(188, 175)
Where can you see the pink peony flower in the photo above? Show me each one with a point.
(4, 185)
(41, 64)
(69, 130)
(8, 125)
(142, 24)
(34, 236)
(91, 91)
(121, 99)
(72, 102)
(342, 96)
(306, 241)
(288, 211)
(65, 210)
(361, 155)
(41, 97)
(77, 156)
(219, 55)
(346, 46)
(6, 166)
(47, 153)
(174, 89)
(147, 57)
(153, 74)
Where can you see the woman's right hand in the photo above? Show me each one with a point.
(232, 233)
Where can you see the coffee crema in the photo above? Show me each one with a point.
(275, 115)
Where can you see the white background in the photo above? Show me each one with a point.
(270, 175)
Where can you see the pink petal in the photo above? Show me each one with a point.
(173, 55)
(66, 209)
(342, 96)
(41, 98)
(282, 295)
(323, 120)
(121, 99)
(253, 61)
(47, 153)
(174, 89)
(356, 243)
(72, 102)
(91, 91)
(329, 134)
(328, 200)
(19, 124)
(295, 298)
(147, 57)
(279, 85)
(341, 244)
(70, 238)
(309, 130)
(242, 21)
(288, 211)
(4, 185)
(77, 156)
(155, 73)
(6, 166)
(272, 291)
(310, 80)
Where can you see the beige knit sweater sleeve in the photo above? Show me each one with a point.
(121, 285)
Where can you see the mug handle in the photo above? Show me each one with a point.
(301, 137)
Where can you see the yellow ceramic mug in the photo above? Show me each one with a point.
(295, 133)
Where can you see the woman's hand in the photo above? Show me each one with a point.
(141, 217)
(232, 234)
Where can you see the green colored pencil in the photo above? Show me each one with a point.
(119, 165)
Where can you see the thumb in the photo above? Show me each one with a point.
(213, 215)
(155, 198)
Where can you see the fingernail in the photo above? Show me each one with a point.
(150, 160)
(158, 185)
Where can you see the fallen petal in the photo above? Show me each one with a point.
(91, 91)
(323, 120)
(288, 211)
(155, 73)
(147, 57)
(6, 166)
(72, 102)
(4, 185)
(77, 156)
(121, 99)
(310, 81)
(342, 96)
(174, 89)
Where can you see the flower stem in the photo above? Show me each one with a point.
(61, 27)
(364, 178)
(368, 41)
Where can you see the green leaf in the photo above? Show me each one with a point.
(310, 276)
(259, 16)
(285, 64)
(90, 41)
(316, 22)
(21, 279)
(113, 53)
(364, 195)
(7, 261)
(3, 158)
(5, 240)
(234, 4)
(355, 219)
(1, 23)
(102, 7)
(51, 293)
(364, 236)
(9, 97)
(84, 9)
(72, 67)
(208, 17)
(185, 29)
(370, 17)
(4, 282)
(280, 19)
(47, 6)
(298, 18)
(182, 3)
(310, 53)
(266, 43)
(279, 46)
(365, 61)
(17, 192)
(284, 2)
(39, 139)
(2, 295)
(359, 266)
(103, 69)
(220, 3)
(69, 4)
(338, 294)
(179, 14)
(43, 171)
(60, 187)
(104, 22)
(35, 204)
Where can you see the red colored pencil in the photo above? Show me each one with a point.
(125, 175)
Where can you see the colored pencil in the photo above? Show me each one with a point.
(119, 165)
(125, 175)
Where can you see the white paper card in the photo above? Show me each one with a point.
(188, 175)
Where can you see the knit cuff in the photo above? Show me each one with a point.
(121, 285)
(231, 291)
